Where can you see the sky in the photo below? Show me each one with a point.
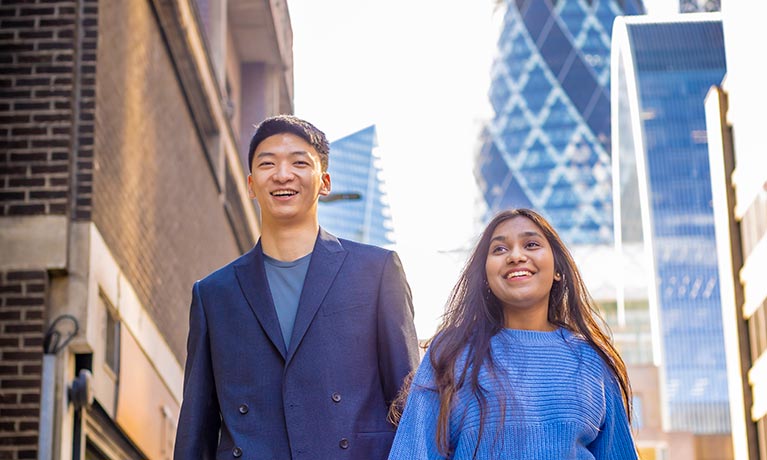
(420, 71)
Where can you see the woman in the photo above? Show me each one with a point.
(520, 367)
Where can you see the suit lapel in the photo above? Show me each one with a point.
(327, 257)
(252, 278)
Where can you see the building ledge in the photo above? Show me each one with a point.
(34, 242)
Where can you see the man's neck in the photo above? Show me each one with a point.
(288, 242)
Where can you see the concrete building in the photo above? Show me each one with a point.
(123, 182)
(358, 207)
(738, 161)
(662, 69)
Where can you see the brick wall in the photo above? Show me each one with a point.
(22, 307)
(84, 116)
(155, 199)
(47, 61)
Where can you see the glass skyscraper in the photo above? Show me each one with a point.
(693, 6)
(357, 208)
(548, 145)
(662, 72)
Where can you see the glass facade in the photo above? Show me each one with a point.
(665, 71)
(695, 6)
(547, 146)
(358, 208)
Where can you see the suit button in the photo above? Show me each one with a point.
(344, 443)
(335, 397)
(243, 409)
(237, 452)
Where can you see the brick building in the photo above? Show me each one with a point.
(122, 133)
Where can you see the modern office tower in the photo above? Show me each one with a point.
(548, 144)
(699, 6)
(739, 188)
(661, 73)
(357, 208)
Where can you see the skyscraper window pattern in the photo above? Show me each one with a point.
(362, 213)
(671, 66)
(548, 144)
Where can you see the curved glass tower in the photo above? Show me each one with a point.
(548, 145)
(663, 71)
(358, 208)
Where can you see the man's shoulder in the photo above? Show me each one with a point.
(225, 275)
(364, 249)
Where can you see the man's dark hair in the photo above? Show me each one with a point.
(280, 124)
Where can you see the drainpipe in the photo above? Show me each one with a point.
(58, 335)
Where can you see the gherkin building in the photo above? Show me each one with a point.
(547, 146)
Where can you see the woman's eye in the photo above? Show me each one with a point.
(498, 249)
(532, 244)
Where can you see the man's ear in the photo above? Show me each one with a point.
(325, 186)
(251, 187)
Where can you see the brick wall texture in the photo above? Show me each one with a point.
(22, 310)
(95, 125)
(47, 67)
(155, 199)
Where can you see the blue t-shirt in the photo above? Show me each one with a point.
(286, 280)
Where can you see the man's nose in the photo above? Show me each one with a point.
(283, 173)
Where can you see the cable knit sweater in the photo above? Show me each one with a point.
(561, 402)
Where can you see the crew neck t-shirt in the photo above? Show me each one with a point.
(286, 280)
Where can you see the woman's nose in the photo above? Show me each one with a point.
(515, 255)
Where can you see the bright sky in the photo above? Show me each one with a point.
(419, 70)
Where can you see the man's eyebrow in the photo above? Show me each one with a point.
(270, 154)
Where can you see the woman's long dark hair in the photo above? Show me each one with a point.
(474, 315)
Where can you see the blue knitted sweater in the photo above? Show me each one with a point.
(560, 401)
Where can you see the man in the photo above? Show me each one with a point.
(297, 348)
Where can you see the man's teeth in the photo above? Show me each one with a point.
(283, 193)
(517, 274)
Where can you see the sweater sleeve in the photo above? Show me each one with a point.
(416, 433)
(614, 441)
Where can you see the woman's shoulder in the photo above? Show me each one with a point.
(439, 348)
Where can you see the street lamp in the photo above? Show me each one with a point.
(346, 196)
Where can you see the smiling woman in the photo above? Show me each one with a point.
(486, 387)
(520, 273)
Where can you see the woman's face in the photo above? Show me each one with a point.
(520, 272)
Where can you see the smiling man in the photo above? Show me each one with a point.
(297, 348)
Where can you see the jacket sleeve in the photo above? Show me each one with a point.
(199, 420)
(397, 341)
(614, 441)
(416, 437)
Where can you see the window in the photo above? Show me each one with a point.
(637, 416)
(111, 336)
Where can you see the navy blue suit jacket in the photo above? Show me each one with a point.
(326, 395)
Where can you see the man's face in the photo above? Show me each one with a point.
(287, 178)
